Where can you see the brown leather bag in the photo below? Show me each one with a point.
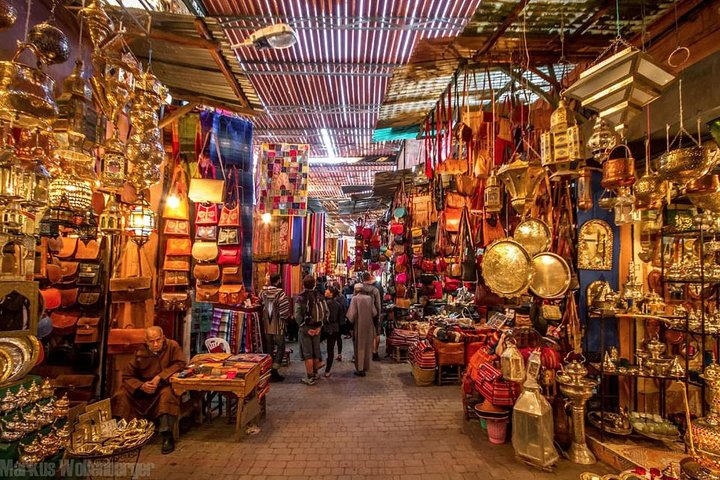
(125, 340)
(177, 264)
(87, 251)
(68, 297)
(452, 219)
(54, 273)
(232, 274)
(466, 185)
(205, 251)
(69, 244)
(178, 246)
(63, 323)
(232, 294)
(69, 271)
(207, 293)
(131, 289)
(89, 296)
(87, 330)
(177, 279)
(180, 228)
(455, 200)
(174, 301)
(206, 272)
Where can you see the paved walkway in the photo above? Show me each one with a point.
(380, 426)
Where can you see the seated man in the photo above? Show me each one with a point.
(146, 391)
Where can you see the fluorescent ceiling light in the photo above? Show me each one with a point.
(334, 160)
(327, 142)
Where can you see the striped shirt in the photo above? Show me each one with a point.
(268, 295)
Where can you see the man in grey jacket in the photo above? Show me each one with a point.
(374, 292)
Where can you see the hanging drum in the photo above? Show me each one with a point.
(552, 275)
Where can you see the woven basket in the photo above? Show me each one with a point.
(423, 376)
(450, 353)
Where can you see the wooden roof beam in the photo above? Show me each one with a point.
(547, 96)
(590, 21)
(549, 79)
(509, 20)
(666, 24)
(222, 63)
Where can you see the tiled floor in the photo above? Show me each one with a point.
(380, 426)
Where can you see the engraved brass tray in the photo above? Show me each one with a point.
(507, 268)
(595, 246)
(552, 275)
(534, 235)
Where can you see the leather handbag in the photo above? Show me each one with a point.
(89, 273)
(206, 272)
(54, 244)
(68, 297)
(69, 244)
(174, 301)
(178, 246)
(87, 250)
(232, 294)
(206, 214)
(87, 330)
(402, 303)
(180, 228)
(205, 251)
(455, 200)
(51, 298)
(179, 210)
(230, 256)
(176, 264)
(466, 185)
(205, 187)
(207, 293)
(229, 236)
(231, 274)
(125, 340)
(54, 273)
(177, 279)
(206, 233)
(89, 297)
(63, 323)
(452, 218)
(230, 213)
(69, 271)
(131, 289)
(397, 228)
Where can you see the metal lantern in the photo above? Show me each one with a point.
(99, 23)
(602, 139)
(60, 215)
(493, 194)
(111, 219)
(113, 164)
(624, 207)
(532, 421)
(76, 191)
(521, 179)
(78, 116)
(584, 188)
(621, 85)
(12, 218)
(88, 228)
(141, 221)
(512, 363)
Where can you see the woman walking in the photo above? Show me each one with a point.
(361, 313)
(332, 327)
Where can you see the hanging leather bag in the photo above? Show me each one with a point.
(89, 250)
(230, 213)
(205, 188)
(179, 228)
(131, 289)
(179, 209)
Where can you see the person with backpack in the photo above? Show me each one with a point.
(362, 313)
(275, 314)
(311, 313)
(336, 318)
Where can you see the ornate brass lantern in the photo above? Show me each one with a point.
(512, 364)
(78, 117)
(493, 194)
(141, 221)
(60, 215)
(75, 191)
(532, 432)
(114, 162)
(99, 24)
(584, 188)
(602, 139)
(111, 219)
(578, 389)
(521, 179)
(561, 146)
(705, 431)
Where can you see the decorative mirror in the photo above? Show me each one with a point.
(595, 244)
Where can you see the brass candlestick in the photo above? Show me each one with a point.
(578, 390)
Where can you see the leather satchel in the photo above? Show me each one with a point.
(178, 189)
(230, 256)
(54, 273)
(205, 251)
(63, 323)
(178, 246)
(229, 236)
(176, 264)
(232, 294)
(180, 228)
(206, 272)
(207, 293)
(177, 279)
(230, 217)
(206, 233)
(125, 340)
(231, 274)
(452, 219)
(206, 214)
(87, 330)
(174, 301)
(87, 250)
(466, 185)
(131, 289)
(69, 271)
(455, 200)
(52, 298)
(89, 274)
(69, 244)
(89, 297)
(206, 188)
(68, 297)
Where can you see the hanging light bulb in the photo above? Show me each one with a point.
(266, 218)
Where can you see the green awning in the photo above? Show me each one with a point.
(396, 133)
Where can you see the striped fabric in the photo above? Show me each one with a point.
(268, 294)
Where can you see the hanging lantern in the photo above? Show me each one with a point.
(12, 218)
(561, 146)
(111, 219)
(141, 221)
(75, 191)
(532, 432)
(602, 139)
(521, 179)
(512, 364)
(584, 188)
(624, 207)
(113, 164)
(60, 215)
(7, 173)
(88, 228)
(98, 22)
(41, 189)
(493, 194)
(78, 117)
(621, 85)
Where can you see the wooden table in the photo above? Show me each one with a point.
(242, 388)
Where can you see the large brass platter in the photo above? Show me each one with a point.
(552, 275)
(6, 365)
(20, 353)
(534, 235)
(507, 268)
(34, 345)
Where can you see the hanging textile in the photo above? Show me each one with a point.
(297, 236)
(239, 328)
(283, 179)
(316, 238)
(271, 241)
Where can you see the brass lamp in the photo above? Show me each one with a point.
(75, 191)
(561, 146)
(521, 179)
(621, 85)
(141, 221)
(111, 219)
(493, 194)
(78, 117)
(578, 389)
(512, 364)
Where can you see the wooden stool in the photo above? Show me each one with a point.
(399, 353)
(455, 377)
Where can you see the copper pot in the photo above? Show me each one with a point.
(619, 168)
(26, 94)
(705, 192)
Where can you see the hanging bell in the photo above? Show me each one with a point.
(512, 364)
(521, 179)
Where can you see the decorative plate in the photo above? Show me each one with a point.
(552, 275)
(19, 352)
(6, 365)
(534, 235)
(507, 268)
(34, 345)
